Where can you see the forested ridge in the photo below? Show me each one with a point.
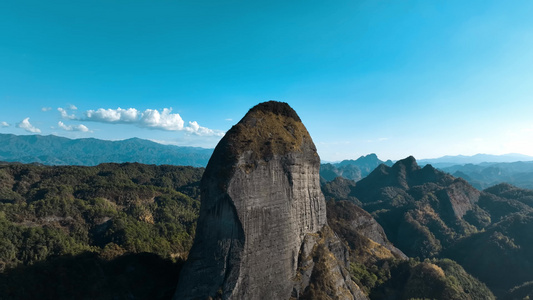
(430, 214)
(123, 231)
(69, 220)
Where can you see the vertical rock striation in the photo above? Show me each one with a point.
(262, 212)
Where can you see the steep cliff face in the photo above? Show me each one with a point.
(363, 234)
(260, 199)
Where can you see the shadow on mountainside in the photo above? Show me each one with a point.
(89, 276)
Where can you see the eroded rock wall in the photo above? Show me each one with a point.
(261, 197)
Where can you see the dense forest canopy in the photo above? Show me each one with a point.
(96, 232)
(109, 209)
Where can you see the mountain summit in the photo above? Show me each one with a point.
(262, 226)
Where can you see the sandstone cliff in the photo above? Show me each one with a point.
(362, 233)
(262, 230)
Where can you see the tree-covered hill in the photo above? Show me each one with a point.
(54, 150)
(123, 231)
(430, 214)
(384, 272)
(53, 211)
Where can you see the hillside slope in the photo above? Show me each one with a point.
(430, 214)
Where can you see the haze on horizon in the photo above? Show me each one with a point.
(418, 78)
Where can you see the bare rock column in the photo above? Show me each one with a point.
(261, 197)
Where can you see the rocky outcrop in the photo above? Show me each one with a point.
(461, 196)
(422, 210)
(361, 231)
(263, 216)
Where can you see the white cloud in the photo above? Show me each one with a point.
(72, 107)
(150, 118)
(165, 120)
(228, 119)
(25, 124)
(65, 115)
(46, 108)
(194, 128)
(4, 124)
(80, 127)
(118, 115)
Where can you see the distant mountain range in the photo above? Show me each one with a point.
(352, 169)
(480, 170)
(485, 170)
(484, 175)
(448, 161)
(54, 150)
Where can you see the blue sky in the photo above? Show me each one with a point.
(396, 78)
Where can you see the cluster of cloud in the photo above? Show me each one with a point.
(26, 125)
(65, 115)
(194, 128)
(4, 124)
(150, 118)
(80, 127)
(130, 115)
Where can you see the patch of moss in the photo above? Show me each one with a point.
(267, 130)
(276, 107)
(264, 134)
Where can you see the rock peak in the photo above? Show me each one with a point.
(409, 163)
(261, 203)
(268, 129)
(277, 108)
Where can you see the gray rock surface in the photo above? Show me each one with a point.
(462, 197)
(361, 232)
(261, 200)
(363, 223)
